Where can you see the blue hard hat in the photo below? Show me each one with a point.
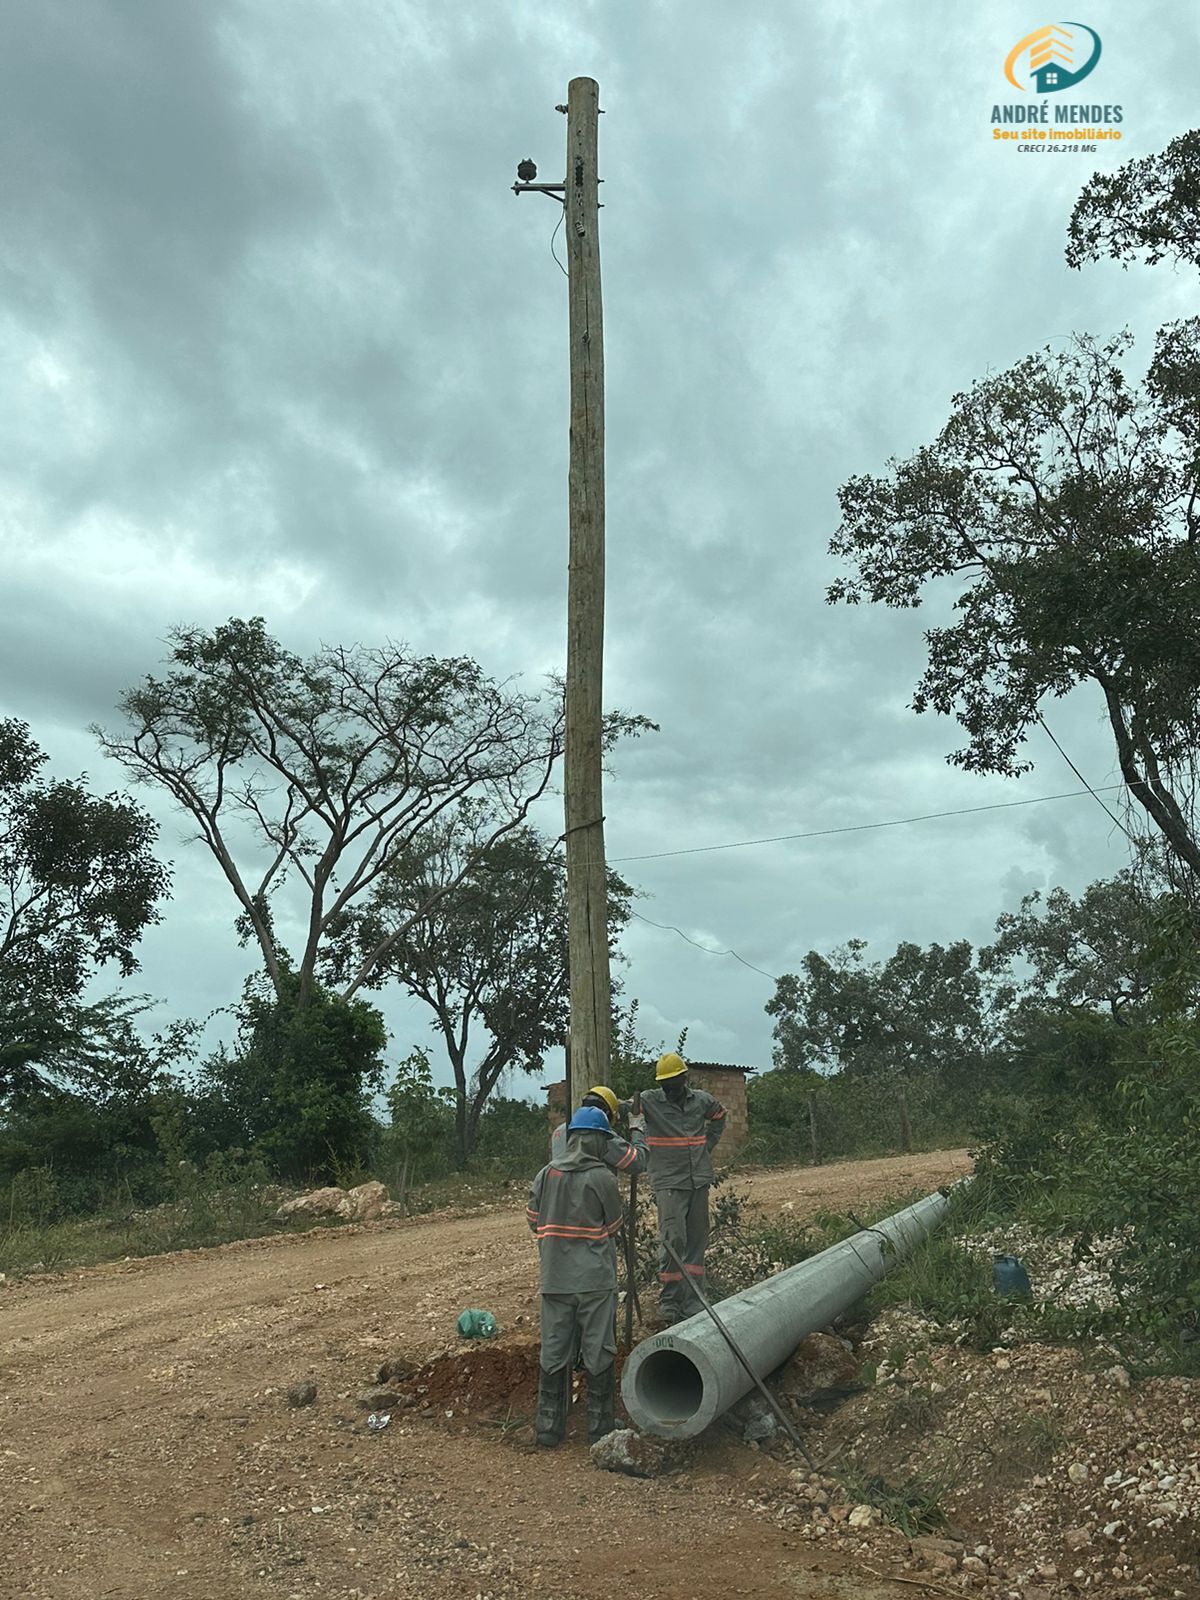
(589, 1119)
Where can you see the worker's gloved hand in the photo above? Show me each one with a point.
(637, 1120)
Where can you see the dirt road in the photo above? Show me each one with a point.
(146, 1448)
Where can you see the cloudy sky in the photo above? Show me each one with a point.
(278, 339)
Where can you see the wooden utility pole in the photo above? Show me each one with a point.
(587, 882)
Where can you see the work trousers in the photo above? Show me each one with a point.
(682, 1223)
(586, 1320)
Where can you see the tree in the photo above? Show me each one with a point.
(490, 954)
(321, 773)
(298, 1087)
(421, 1120)
(88, 1116)
(1151, 204)
(920, 1011)
(78, 886)
(1062, 501)
(1079, 956)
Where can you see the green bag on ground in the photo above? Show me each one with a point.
(476, 1325)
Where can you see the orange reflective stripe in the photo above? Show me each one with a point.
(715, 1116)
(630, 1155)
(557, 1230)
(573, 1232)
(694, 1272)
(696, 1139)
(670, 1277)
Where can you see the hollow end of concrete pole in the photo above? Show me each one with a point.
(670, 1390)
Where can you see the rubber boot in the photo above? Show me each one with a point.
(600, 1417)
(554, 1389)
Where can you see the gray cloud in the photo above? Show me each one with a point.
(278, 339)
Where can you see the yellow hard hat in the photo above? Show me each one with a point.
(669, 1066)
(603, 1092)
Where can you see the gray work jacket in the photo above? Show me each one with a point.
(575, 1210)
(619, 1154)
(680, 1138)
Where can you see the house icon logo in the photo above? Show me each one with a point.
(1060, 55)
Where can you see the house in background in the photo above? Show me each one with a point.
(726, 1082)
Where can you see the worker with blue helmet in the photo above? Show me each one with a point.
(575, 1212)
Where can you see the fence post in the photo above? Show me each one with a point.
(812, 1130)
(905, 1124)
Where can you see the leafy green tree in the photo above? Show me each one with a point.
(422, 1118)
(1060, 503)
(298, 1088)
(90, 1114)
(79, 884)
(1060, 500)
(514, 1134)
(1076, 955)
(1150, 205)
(923, 1010)
(633, 1059)
(489, 957)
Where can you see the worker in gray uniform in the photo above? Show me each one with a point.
(622, 1155)
(575, 1212)
(681, 1127)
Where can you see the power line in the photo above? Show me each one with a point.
(553, 251)
(668, 927)
(865, 827)
(1111, 814)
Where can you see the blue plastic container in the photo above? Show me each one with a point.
(1010, 1277)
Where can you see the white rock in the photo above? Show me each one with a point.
(1078, 1472)
(363, 1204)
(865, 1517)
(317, 1203)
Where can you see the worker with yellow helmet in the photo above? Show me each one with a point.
(680, 1126)
(620, 1154)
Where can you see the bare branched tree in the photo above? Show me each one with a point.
(315, 775)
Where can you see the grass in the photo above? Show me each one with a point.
(913, 1503)
(208, 1211)
(1021, 1445)
(207, 1217)
(912, 1410)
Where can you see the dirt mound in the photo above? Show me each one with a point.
(486, 1381)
